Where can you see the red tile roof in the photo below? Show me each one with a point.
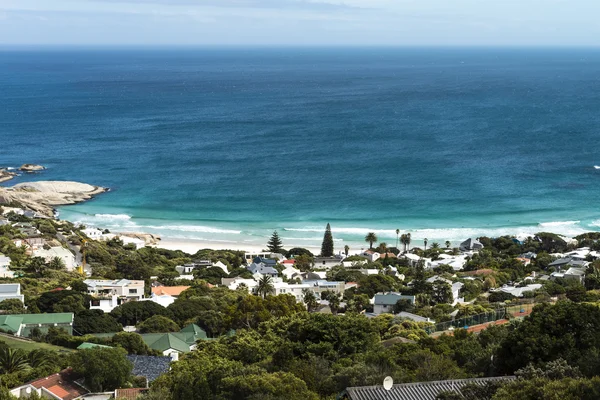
(289, 262)
(128, 394)
(169, 290)
(62, 385)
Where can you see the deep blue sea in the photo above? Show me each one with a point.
(230, 144)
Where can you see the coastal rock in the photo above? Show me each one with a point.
(6, 175)
(43, 196)
(148, 238)
(31, 168)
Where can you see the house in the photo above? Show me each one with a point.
(183, 341)
(234, 283)
(371, 255)
(87, 345)
(5, 271)
(569, 261)
(11, 291)
(470, 245)
(150, 367)
(173, 291)
(289, 271)
(575, 274)
(23, 324)
(269, 262)
(456, 262)
(293, 289)
(319, 286)
(414, 260)
(27, 229)
(108, 294)
(326, 262)
(263, 269)
(93, 233)
(60, 386)
(519, 291)
(164, 300)
(417, 390)
(414, 317)
(455, 286)
(385, 302)
(57, 252)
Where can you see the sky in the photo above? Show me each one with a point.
(301, 22)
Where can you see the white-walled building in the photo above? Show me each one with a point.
(64, 254)
(11, 291)
(5, 271)
(110, 294)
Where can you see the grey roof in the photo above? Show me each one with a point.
(150, 367)
(575, 271)
(560, 261)
(415, 391)
(389, 299)
(10, 288)
(470, 244)
(262, 269)
(414, 317)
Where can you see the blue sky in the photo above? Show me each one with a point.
(301, 22)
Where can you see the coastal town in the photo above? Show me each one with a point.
(88, 313)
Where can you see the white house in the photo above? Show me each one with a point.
(289, 271)
(371, 255)
(93, 233)
(456, 262)
(234, 283)
(11, 291)
(519, 291)
(109, 294)
(64, 254)
(5, 271)
(293, 289)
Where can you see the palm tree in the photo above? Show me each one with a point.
(38, 358)
(371, 238)
(435, 245)
(265, 286)
(397, 233)
(448, 244)
(408, 240)
(346, 250)
(57, 264)
(383, 248)
(309, 299)
(425, 243)
(12, 360)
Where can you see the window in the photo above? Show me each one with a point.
(132, 291)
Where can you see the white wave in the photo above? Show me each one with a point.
(349, 231)
(192, 228)
(558, 223)
(595, 223)
(313, 239)
(596, 166)
(120, 217)
(10, 168)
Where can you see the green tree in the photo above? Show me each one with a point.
(425, 241)
(95, 321)
(12, 360)
(265, 286)
(448, 244)
(12, 306)
(371, 238)
(275, 245)
(158, 324)
(132, 343)
(134, 312)
(103, 369)
(435, 245)
(327, 245)
(57, 264)
(346, 250)
(441, 292)
(309, 299)
(268, 386)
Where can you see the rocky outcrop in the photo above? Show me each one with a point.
(43, 196)
(6, 175)
(148, 238)
(31, 168)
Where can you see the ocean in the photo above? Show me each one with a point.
(227, 145)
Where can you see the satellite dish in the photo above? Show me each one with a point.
(388, 382)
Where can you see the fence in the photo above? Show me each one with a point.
(506, 311)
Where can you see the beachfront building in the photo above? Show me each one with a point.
(326, 263)
(262, 269)
(108, 294)
(24, 324)
(371, 255)
(93, 233)
(57, 252)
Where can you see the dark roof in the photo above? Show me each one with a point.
(150, 367)
(560, 261)
(415, 391)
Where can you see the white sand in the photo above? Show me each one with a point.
(192, 246)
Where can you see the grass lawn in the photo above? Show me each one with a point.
(28, 345)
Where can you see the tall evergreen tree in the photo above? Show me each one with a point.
(327, 245)
(275, 245)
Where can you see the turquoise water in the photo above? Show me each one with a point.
(227, 145)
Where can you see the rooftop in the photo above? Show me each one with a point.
(61, 385)
(169, 290)
(416, 391)
(150, 367)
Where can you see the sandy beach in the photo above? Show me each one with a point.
(192, 246)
